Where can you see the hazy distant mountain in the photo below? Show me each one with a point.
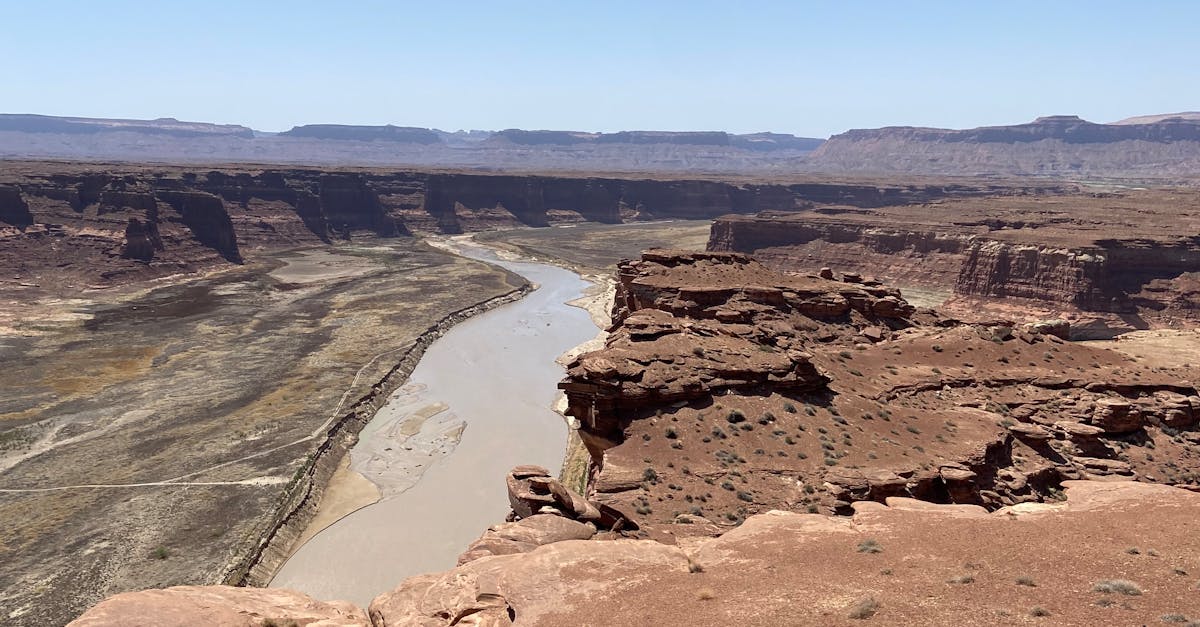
(1150, 119)
(168, 140)
(1061, 145)
(365, 133)
(1149, 147)
(28, 123)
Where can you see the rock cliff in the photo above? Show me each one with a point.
(110, 223)
(1130, 254)
(720, 377)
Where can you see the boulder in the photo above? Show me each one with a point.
(532, 491)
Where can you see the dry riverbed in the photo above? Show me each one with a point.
(145, 437)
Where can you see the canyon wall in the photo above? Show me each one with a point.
(102, 225)
(1124, 257)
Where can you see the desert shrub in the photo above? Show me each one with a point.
(1117, 586)
(870, 545)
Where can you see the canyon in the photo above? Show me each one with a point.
(81, 225)
(795, 366)
(745, 425)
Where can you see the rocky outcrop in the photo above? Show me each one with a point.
(545, 511)
(141, 240)
(205, 215)
(14, 211)
(720, 376)
(695, 325)
(903, 562)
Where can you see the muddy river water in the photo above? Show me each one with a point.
(479, 402)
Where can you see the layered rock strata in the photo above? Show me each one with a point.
(1060, 145)
(1129, 255)
(105, 225)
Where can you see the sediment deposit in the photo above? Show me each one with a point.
(183, 434)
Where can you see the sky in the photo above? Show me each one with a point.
(808, 68)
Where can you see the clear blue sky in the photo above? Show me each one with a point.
(809, 68)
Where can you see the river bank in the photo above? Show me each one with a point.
(490, 381)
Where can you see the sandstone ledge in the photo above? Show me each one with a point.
(937, 565)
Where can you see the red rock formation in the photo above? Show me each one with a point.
(1122, 255)
(721, 376)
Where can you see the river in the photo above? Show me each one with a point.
(488, 385)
